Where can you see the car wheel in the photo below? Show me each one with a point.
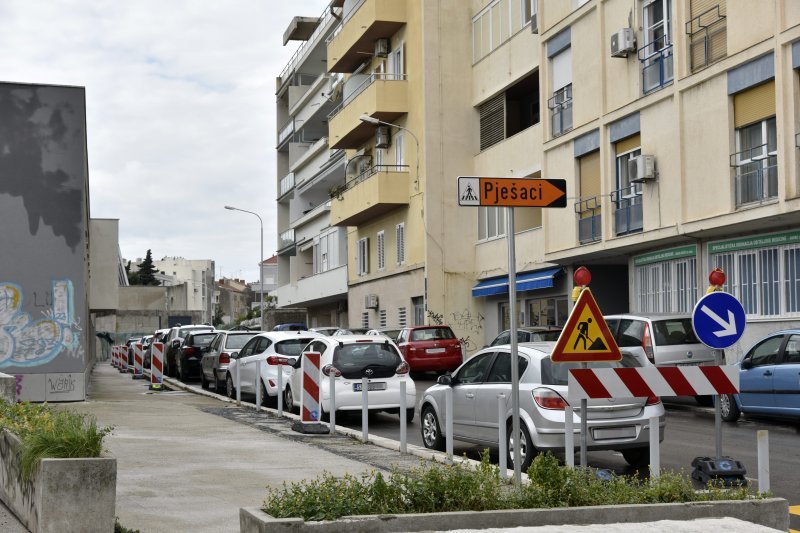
(409, 415)
(288, 399)
(727, 406)
(203, 380)
(526, 450)
(266, 399)
(230, 390)
(215, 384)
(431, 431)
(637, 457)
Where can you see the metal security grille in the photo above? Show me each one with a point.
(667, 287)
(381, 251)
(400, 231)
(755, 277)
(493, 121)
(402, 317)
(382, 318)
(365, 319)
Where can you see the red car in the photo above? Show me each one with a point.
(430, 348)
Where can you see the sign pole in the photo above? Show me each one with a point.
(512, 311)
(718, 408)
(584, 425)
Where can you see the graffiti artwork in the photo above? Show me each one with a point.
(28, 341)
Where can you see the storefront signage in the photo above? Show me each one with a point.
(665, 255)
(759, 241)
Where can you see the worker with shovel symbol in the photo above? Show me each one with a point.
(583, 336)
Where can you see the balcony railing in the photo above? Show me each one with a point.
(287, 184)
(707, 37)
(369, 80)
(371, 171)
(561, 111)
(347, 17)
(656, 58)
(628, 214)
(589, 219)
(325, 18)
(286, 239)
(286, 131)
(756, 175)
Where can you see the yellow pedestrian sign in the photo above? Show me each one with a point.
(585, 337)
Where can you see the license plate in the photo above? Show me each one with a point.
(614, 433)
(372, 386)
(435, 350)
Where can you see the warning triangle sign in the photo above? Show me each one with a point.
(585, 337)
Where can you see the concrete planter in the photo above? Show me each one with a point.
(773, 512)
(62, 494)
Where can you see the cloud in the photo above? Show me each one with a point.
(180, 113)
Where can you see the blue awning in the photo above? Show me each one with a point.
(529, 281)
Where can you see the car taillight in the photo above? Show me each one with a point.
(224, 358)
(189, 350)
(403, 368)
(548, 399)
(647, 343)
(653, 400)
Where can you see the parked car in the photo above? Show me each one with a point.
(257, 350)
(350, 331)
(769, 382)
(613, 424)
(391, 333)
(430, 348)
(296, 326)
(172, 344)
(129, 348)
(528, 334)
(158, 336)
(218, 356)
(356, 356)
(190, 353)
(325, 330)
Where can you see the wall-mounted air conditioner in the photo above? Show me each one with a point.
(381, 47)
(623, 43)
(382, 137)
(371, 301)
(642, 168)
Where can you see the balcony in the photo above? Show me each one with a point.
(318, 288)
(287, 243)
(656, 59)
(361, 27)
(372, 193)
(756, 175)
(590, 227)
(708, 37)
(381, 96)
(560, 106)
(628, 215)
(286, 184)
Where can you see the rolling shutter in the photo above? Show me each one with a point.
(493, 118)
(590, 175)
(626, 145)
(754, 104)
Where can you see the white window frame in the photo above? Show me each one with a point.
(488, 218)
(762, 157)
(399, 149)
(483, 21)
(400, 242)
(396, 63)
(362, 256)
(381, 249)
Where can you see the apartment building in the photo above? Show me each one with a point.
(672, 121)
(197, 276)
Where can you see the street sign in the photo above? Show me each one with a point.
(585, 337)
(511, 192)
(718, 320)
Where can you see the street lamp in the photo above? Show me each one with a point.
(372, 120)
(260, 264)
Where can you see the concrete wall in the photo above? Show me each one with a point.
(104, 264)
(43, 281)
(142, 298)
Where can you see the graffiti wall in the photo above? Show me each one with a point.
(43, 240)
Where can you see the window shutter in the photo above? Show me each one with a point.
(492, 118)
(754, 104)
(590, 175)
(561, 67)
(401, 244)
(381, 251)
(628, 144)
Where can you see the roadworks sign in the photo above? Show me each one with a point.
(585, 337)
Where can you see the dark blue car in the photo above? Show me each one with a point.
(769, 379)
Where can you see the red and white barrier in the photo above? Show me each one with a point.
(138, 360)
(123, 358)
(156, 365)
(114, 355)
(651, 381)
(310, 406)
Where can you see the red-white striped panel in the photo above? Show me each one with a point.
(651, 381)
(156, 363)
(113, 355)
(310, 410)
(138, 359)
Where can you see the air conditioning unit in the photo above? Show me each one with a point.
(642, 168)
(534, 24)
(382, 48)
(371, 301)
(382, 137)
(623, 42)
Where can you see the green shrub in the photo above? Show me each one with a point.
(441, 488)
(46, 432)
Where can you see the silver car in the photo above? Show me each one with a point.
(218, 356)
(619, 424)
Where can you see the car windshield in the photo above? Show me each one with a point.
(202, 339)
(185, 331)
(540, 336)
(674, 331)
(432, 334)
(557, 373)
(356, 356)
(237, 341)
(292, 347)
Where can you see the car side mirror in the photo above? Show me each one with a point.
(294, 362)
(747, 363)
(176, 343)
(445, 379)
(234, 355)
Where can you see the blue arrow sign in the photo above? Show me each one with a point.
(718, 320)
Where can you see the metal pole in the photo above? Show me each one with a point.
(720, 354)
(763, 460)
(512, 311)
(448, 407)
(584, 426)
(239, 383)
(332, 406)
(655, 453)
(403, 447)
(279, 391)
(258, 385)
(260, 265)
(364, 410)
(501, 435)
(569, 437)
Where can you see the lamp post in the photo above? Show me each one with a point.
(372, 120)
(260, 263)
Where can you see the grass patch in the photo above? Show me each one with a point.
(460, 487)
(46, 432)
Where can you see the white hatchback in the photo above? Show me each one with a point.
(358, 356)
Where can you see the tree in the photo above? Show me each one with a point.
(147, 271)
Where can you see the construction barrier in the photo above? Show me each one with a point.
(156, 365)
(138, 361)
(123, 358)
(310, 407)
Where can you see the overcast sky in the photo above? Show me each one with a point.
(180, 113)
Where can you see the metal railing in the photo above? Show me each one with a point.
(286, 239)
(324, 19)
(628, 214)
(287, 184)
(371, 171)
(656, 59)
(370, 79)
(347, 17)
(560, 105)
(589, 219)
(286, 131)
(707, 30)
(756, 175)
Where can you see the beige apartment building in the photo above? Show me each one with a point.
(674, 123)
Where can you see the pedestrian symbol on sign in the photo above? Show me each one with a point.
(469, 194)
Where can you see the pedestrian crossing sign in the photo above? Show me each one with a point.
(585, 337)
